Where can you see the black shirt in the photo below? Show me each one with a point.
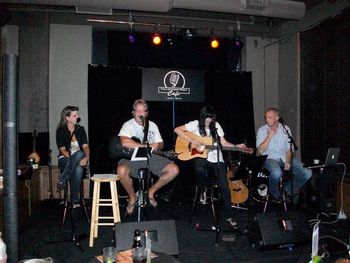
(63, 137)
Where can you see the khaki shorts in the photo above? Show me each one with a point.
(156, 164)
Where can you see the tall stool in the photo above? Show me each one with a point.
(283, 194)
(71, 205)
(211, 188)
(97, 202)
(143, 183)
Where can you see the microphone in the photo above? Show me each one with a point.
(77, 122)
(281, 120)
(142, 118)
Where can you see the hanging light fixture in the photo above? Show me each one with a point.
(156, 37)
(237, 43)
(131, 36)
(214, 42)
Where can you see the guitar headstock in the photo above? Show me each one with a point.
(171, 154)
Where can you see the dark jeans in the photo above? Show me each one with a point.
(74, 171)
(301, 175)
(201, 166)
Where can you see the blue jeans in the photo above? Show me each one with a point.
(300, 175)
(74, 171)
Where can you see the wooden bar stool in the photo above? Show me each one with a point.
(97, 202)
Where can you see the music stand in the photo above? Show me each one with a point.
(249, 167)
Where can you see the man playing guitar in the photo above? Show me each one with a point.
(147, 132)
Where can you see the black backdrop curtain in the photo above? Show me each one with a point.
(325, 88)
(112, 91)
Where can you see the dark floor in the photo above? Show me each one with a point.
(43, 236)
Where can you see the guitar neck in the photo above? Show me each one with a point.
(212, 147)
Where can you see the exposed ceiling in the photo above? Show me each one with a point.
(221, 16)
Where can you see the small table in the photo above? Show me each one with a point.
(162, 258)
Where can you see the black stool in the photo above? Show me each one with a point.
(212, 188)
(70, 205)
(143, 184)
(283, 195)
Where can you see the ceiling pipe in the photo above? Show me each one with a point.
(268, 8)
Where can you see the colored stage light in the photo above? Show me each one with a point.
(214, 43)
(156, 39)
(131, 38)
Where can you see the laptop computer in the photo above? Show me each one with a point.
(331, 158)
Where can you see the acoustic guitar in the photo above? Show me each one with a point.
(187, 151)
(34, 155)
(239, 191)
(117, 150)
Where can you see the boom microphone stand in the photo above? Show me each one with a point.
(217, 228)
(292, 147)
(144, 178)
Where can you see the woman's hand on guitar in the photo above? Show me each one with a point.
(244, 148)
(196, 145)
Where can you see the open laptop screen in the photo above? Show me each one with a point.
(332, 156)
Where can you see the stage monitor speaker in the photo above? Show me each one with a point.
(279, 230)
(163, 235)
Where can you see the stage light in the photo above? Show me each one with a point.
(237, 43)
(156, 39)
(170, 37)
(188, 33)
(214, 43)
(131, 38)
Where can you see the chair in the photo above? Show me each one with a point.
(97, 201)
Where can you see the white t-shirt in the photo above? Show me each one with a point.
(132, 129)
(193, 126)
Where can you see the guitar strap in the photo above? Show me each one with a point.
(145, 132)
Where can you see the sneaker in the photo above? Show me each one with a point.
(76, 205)
(60, 186)
(203, 197)
(231, 221)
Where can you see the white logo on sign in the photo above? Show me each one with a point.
(174, 84)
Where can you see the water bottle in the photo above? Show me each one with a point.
(3, 255)
(148, 245)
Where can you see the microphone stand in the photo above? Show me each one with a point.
(144, 200)
(292, 147)
(217, 229)
(50, 174)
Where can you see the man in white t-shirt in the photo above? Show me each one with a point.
(208, 126)
(134, 130)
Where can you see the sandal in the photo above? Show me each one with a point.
(131, 208)
(153, 202)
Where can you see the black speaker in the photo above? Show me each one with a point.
(162, 233)
(279, 230)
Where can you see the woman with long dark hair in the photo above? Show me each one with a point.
(207, 126)
(74, 151)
